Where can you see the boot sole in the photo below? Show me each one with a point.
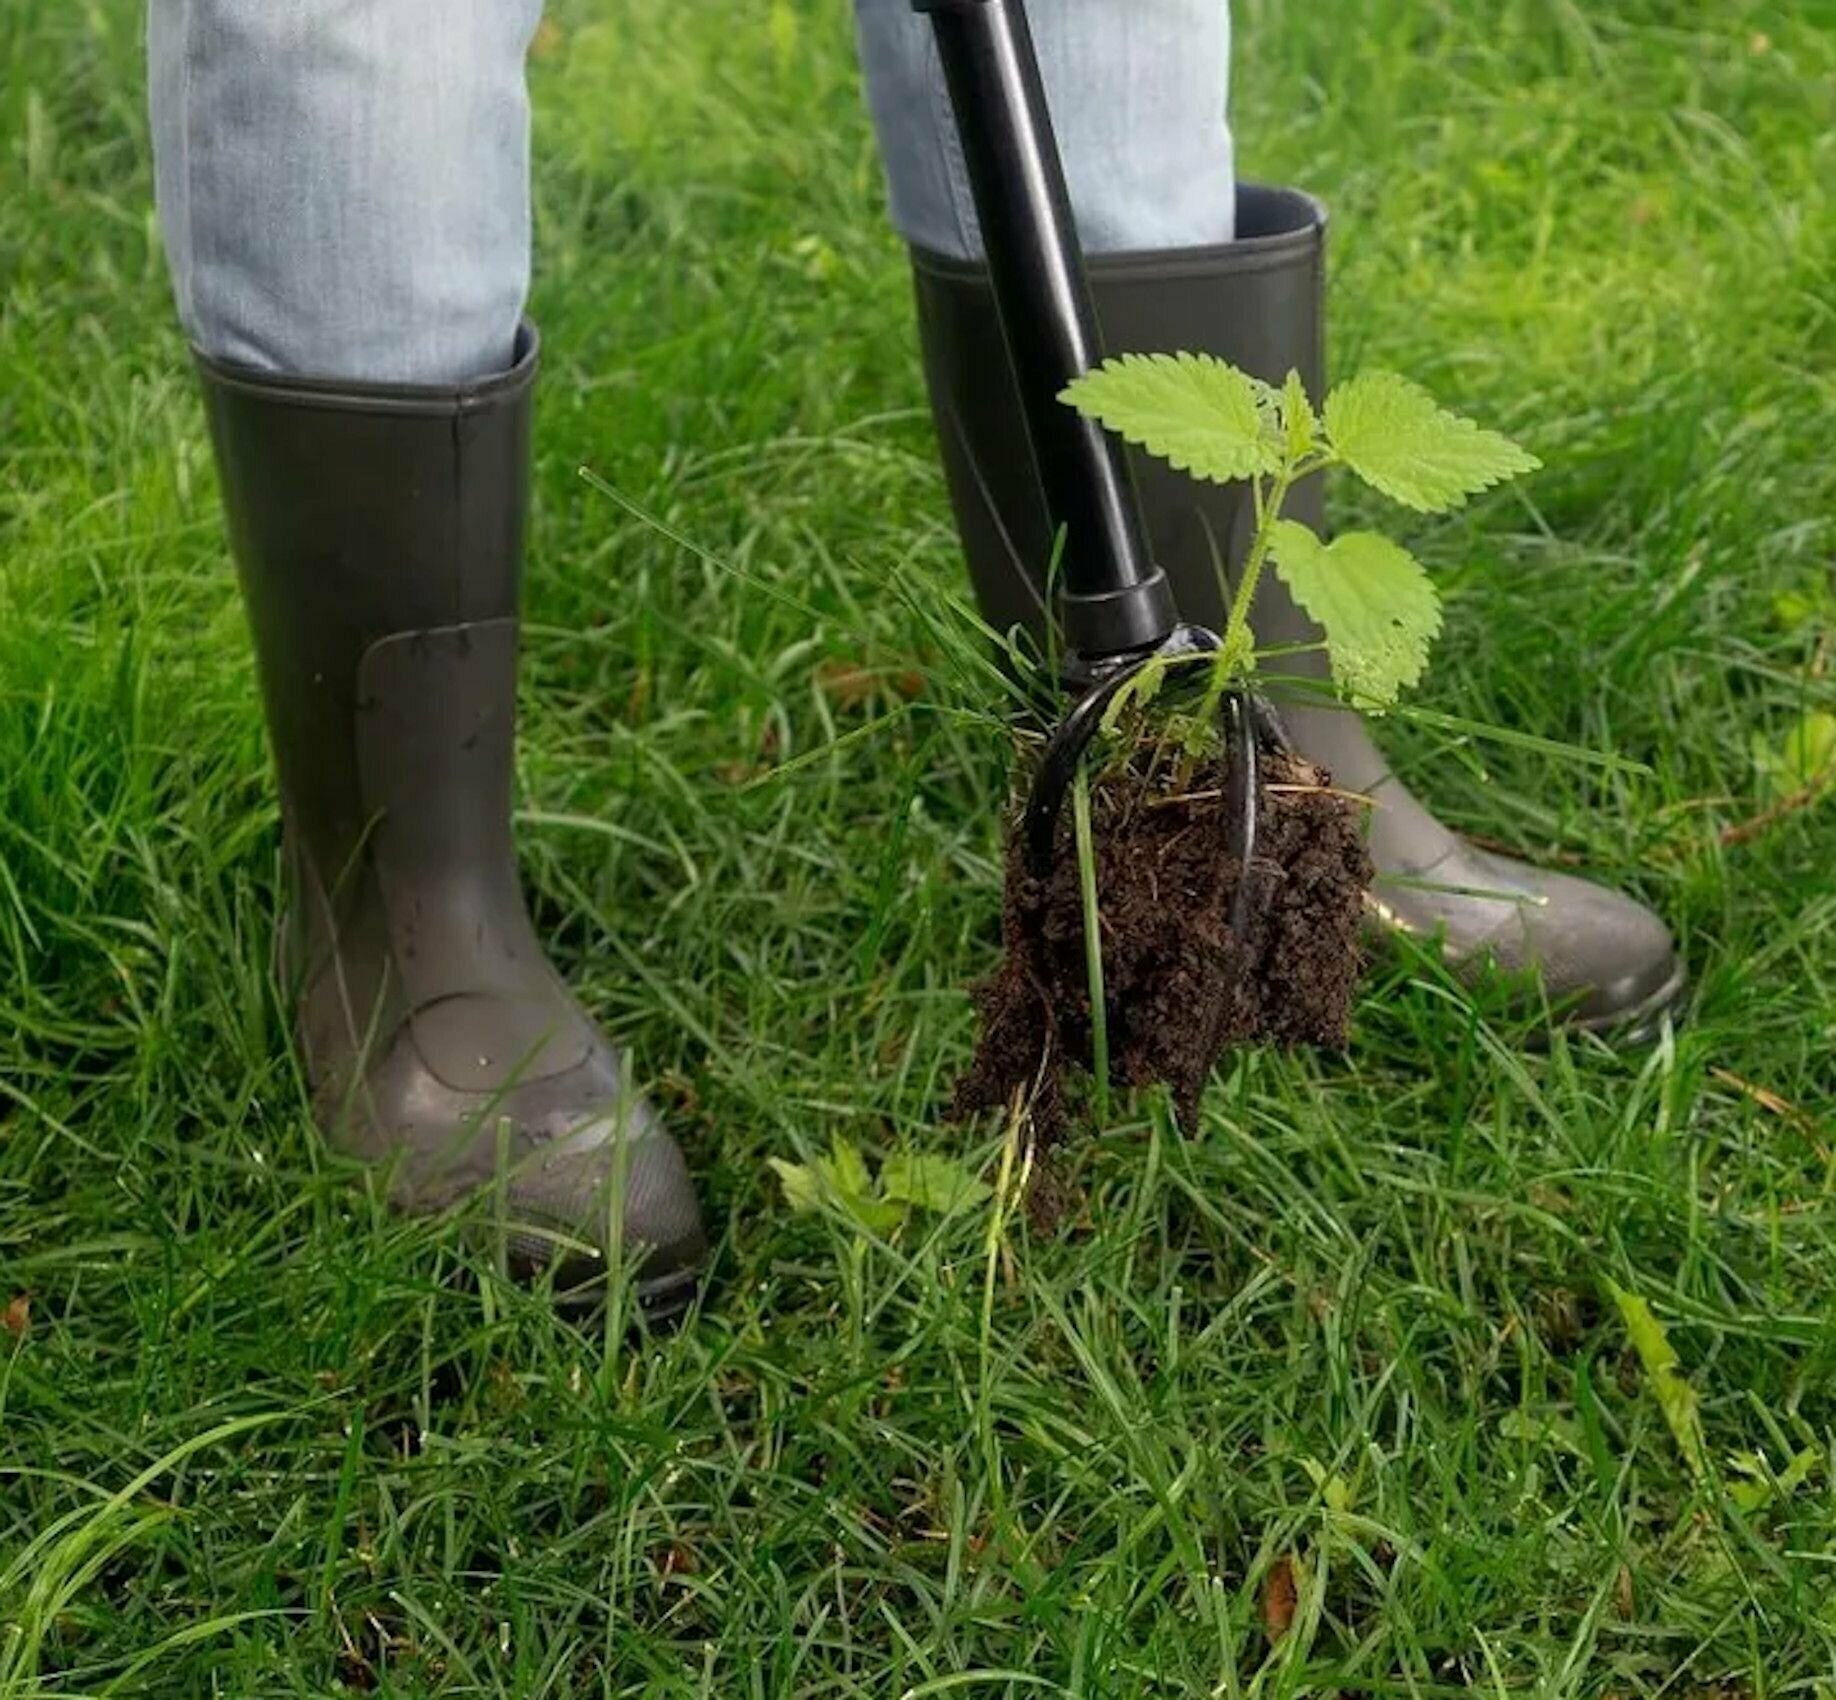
(1642, 1022)
(662, 1300)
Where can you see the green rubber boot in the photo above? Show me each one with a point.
(378, 533)
(1604, 961)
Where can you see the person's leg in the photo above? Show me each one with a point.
(344, 186)
(1184, 259)
(344, 190)
(1138, 91)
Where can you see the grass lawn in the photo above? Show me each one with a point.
(1358, 1331)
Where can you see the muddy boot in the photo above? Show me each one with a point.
(1604, 962)
(378, 532)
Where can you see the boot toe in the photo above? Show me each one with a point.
(575, 1205)
(1603, 960)
(584, 1168)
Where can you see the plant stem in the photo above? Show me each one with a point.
(1237, 626)
(1093, 942)
(1238, 639)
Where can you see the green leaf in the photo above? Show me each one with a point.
(1298, 420)
(1545, 1429)
(1339, 1494)
(1799, 1470)
(1378, 608)
(844, 1172)
(1803, 760)
(1675, 1397)
(1751, 1496)
(1805, 610)
(845, 1169)
(1397, 438)
(802, 1185)
(1194, 411)
(876, 1215)
(931, 1183)
(1764, 1485)
(838, 1182)
(1137, 692)
(1236, 655)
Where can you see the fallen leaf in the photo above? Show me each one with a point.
(549, 40)
(1625, 1600)
(1279, 1598)
(1763, 1096)
(846, 684)
(849, 684)
(18, 1315)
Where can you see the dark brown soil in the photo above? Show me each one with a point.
(1180, 990)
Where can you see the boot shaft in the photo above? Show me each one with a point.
(1256, 302)
(356, 514)
(378, 535)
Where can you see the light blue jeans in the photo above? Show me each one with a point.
(343, 185)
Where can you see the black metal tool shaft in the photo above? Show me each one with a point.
(1116, 601)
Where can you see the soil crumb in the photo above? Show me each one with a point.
(1180, 990)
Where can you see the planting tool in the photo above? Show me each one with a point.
(1116, 606)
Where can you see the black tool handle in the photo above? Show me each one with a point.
(1116, 601)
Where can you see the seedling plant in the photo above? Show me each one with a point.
(1123, 961)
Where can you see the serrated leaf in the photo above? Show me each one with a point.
(1194, 411)
(1764, 1486)
(844, 1168)
(876, 1215)
(1298, 420)
(1799, 1470)
(1663, 1369)
(1400, 440)
(1378, 608)
(850, 1188)
(838, 1182)
(802, 1185)
(1237, 654)
(931, 1183)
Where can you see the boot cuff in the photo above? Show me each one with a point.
(350, 395)
(1276, 228)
